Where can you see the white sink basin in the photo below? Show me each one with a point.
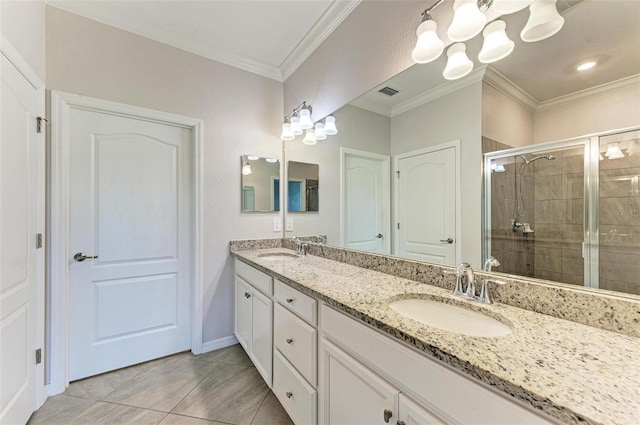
(277, 256)
(450, 318)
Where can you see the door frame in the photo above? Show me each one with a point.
(386, 188)
(13, 55)
(61, 105)
(456, 144)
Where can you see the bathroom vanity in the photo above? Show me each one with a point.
(325, 340)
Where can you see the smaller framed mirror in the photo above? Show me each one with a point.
(260, 179)
(302, 187)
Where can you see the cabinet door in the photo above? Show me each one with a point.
(243, 313)
(352, 394)
(261, 334)
(412, 414)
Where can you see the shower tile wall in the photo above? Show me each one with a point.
(620, 223)
(514, 251)
(559, 212)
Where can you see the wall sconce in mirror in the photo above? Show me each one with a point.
(260, 183)
(300, 119)
(302, 187)
(468, 21)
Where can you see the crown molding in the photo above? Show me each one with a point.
(501, 83)
(633, 80)
(438, 92)
(371, 107)
(328, 22)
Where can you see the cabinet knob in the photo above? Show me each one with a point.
(387, 415)
(247, 295)
(289, 300)
(289, 394)
(289, 340)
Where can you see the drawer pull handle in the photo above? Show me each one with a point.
(289, 394)
(289, 300)
(387, 415)
(289, 340)
(247, 295)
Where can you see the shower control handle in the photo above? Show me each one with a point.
(448, 240)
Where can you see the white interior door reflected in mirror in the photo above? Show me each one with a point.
(260, 183)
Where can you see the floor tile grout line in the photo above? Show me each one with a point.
(197, 417)
(260, 407)
(193, 389)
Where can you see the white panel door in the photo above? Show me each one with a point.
(365, 203)
(351, 393)
(130, 196)
(19, 173)
(427, 206)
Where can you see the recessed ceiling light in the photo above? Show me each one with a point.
(586, 65)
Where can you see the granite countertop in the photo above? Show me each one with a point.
(573, 372)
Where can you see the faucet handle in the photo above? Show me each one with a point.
(484, 290)
(458, 288)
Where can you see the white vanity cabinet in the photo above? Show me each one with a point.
(254, 317)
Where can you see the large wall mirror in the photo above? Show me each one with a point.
(260, 179)
(404, 175)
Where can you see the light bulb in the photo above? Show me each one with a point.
(613, 151)
(319, 132)
(305, 119)
(505, 7)
(287, 133)
(295, 125)
(330, 126)
(309, 138)
(429, 47)
(544, 21)
(496, 44)
(467, 22)
(458, 64)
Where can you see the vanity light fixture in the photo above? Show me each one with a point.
(497, 168)
(246, 169)
(586, 65)
(287, 132)
(634, 148)
(272, 160)
(319, 132)
(469, 19)
(330, 128)
(295, 124)
(305, 117)
(613, 151)
(300, 119)
(309, 138)
(253, 157)
(458, 64)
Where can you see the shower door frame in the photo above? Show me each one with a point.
(591, 211)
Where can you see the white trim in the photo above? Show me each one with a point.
(396, 159)
(219, 343)
(386, 188)
(61, 105)
(504, 85)
(328, 22)
(438, 92)
(16, 59)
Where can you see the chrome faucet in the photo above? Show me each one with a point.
(484, 297)
(465, 270)
(301, 248)
(490, 263)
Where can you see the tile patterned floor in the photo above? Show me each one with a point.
(215, 388)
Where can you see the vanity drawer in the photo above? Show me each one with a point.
(301, 304)
(261, 281)
(297, 397)
(297, 341)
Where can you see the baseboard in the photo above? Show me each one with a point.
(216, 344)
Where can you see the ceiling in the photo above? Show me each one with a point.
(608, 31)
(266, 37)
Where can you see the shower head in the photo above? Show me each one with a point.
(529, 161)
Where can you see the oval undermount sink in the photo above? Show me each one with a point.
(450, 318)
(277, 256)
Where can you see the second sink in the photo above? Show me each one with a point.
(450, 317)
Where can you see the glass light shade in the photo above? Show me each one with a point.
(319, 132)
(305, 119)
(287, 133)
(330, 126)
(253, 157)
(510, 6)
(246, 169)
(544, 21)
(458, 64)
(295, 125)
(309, 138)
(634, 148)
(429, 47)
(500, 169)
(613, 151)
(496, 44)
(271, 160)
(467, 22)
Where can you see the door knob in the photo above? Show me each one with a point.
(387, 414)
(379, 236)
(448, 240)
(81, 257)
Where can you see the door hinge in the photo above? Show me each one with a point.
(398, 226)
(39, 356)
(40, 126)
(39, 240)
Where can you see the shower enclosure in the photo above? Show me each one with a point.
(567, 211)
